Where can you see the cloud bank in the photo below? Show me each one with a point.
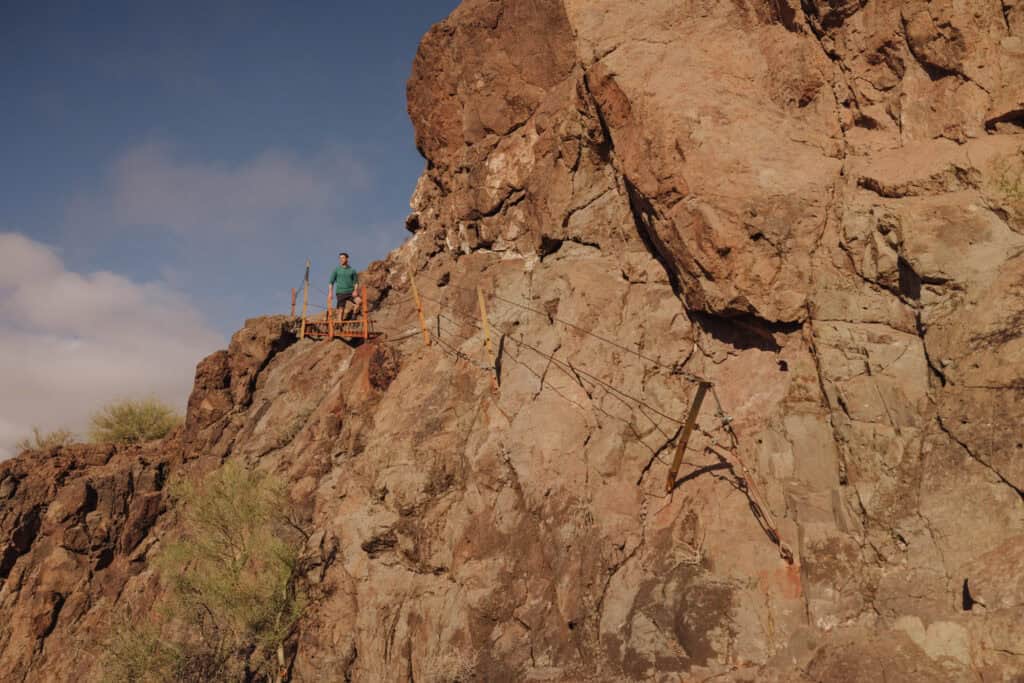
(149, 185)
(232, 233)
(70, 342)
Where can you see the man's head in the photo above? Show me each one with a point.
(343, 258)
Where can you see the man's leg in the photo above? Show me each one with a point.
(343, 304)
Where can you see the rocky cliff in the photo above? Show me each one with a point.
(816, 206)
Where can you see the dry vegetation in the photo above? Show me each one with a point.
(233, 587)
(44, 441)
(133, 421)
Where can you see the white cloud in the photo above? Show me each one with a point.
(149, 185)
(70, 342)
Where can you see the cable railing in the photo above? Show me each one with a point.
(471, 324)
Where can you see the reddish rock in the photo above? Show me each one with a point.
(809, 204)
(62, 566)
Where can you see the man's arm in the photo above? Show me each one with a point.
(330, 284)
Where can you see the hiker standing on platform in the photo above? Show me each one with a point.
(343, 284)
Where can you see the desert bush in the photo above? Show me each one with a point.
(44, 441)
(139, 653)
(233, 593)
(133, 421)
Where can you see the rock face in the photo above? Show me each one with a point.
(74, 528)
(817, 206)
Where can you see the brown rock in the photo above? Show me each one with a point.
(810, 204)
(60, 568)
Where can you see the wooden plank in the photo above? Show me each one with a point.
(419, 308)
(691, 421)
(487, 338)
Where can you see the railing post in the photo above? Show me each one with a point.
(487, 338)
(305, 301)
(293, 302)
(366, 313)
(419, 308)
(691, 421)
(330, 318)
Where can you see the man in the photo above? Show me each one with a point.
(343, 283)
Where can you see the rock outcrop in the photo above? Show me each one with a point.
(817, 206)
(75, 527)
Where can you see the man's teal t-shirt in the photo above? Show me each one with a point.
(344, 279)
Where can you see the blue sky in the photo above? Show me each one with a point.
(201, 150)
(208, 86)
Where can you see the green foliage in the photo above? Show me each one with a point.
(138, 653)
(133, 421)
(40, 441)
(233, 592)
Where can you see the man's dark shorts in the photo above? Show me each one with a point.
(343, 298)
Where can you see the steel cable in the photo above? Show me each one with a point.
(389, 340)
(580, 328)
(745, 483)
(709, 434)
(573, 369)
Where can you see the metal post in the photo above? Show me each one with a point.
(293, 302)
(366, 313)
(691, 421)
(330, 318)
(305, 301)
(487, 338)
(419, 308)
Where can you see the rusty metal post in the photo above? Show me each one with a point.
(305, 301)
(330, 318)
(366, 313)
(487, 338)
(419, 308)
(293, 302)
(691, 421)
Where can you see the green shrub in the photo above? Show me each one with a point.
(233, 585)
(40, 441)
(133, 421)
(138, 653)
